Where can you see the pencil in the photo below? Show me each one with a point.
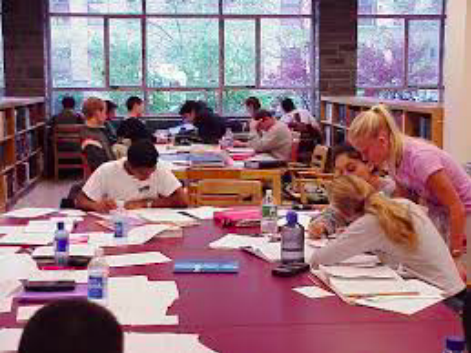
(384, 294)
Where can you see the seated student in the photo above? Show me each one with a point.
(68, 115)
(348, 161)
(211, 127)
(72, 326)
(95, 144)
(132, 127)
(397, 230)
(270, 136)
(139, 181)
(252, 106)
(302, 121)
(110, 130)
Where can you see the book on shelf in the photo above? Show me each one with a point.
(22, 175)
(10, 183)
(425, 128)
(342, 117)
(3, 125)
(328, 111)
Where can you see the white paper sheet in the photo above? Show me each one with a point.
(163, 342)
(5, 305)
(26, 312)
(30, 212)
(9, 287)
(11, 229)
(313, 292)
(363, 260)
(378, 272)
(16, 267)
(9, 250)
(49, 226)
(163, 216)
(72, 213)
(144, 258)
(141, 235)
(10, 339)
(22, 238)
(204, 212)
(74, 250)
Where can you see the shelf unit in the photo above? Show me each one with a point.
(22, 137)
(423, 120)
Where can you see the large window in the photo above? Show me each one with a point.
(400, 49)
(167, 51)
(2, 69)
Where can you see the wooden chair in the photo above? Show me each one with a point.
(66, 148)
(224, 192)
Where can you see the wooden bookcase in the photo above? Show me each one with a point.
(423, 120)
(22, 136)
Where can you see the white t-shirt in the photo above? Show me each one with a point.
(304, 115)
(112, 181)
(431, 261)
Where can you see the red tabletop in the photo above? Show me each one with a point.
(252, 311)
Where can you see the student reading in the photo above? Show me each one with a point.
(397, 230)
(138, 180)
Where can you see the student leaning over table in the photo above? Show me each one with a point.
(420, 169)
(397, 230)
(139, 180)
(347, 161)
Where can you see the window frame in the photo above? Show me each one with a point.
(407, 18)
(218, 90)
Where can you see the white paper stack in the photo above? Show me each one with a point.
(163, 342)
(133, 259)
(30, 212)
(136, 301)
(74, 250)
(164, 216)
(203, 212)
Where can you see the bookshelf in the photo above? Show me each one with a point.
(423, 120)
(22, 136)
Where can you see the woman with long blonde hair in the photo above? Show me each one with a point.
(420, 169)
(397, 230)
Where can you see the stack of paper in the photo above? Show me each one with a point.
(30, 212)
(164, 216)
(163, 342)
(133, 259)
(203, 212)
(136, 301)
(74, 250)
(19, 237)
(261, 246)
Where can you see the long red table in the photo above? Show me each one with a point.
(253, 311)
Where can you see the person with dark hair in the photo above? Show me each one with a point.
(94, 143)
(348, 161)
(72, 326)
(140, 181)
(302, 121)
(270, 137)
(132, 127)
(110, 130)
(252, 106)
(68, 115)
(211, 127)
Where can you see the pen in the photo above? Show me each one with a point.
(386, 294)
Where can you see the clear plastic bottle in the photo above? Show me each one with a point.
(292, 240)
(269, 223)
(455, 344)
(61, 245)
(227, 140)
(119, 221)
(98, 278)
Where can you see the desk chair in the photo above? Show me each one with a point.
(228, 192)
(66, 147)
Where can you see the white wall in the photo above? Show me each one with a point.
(457, 78)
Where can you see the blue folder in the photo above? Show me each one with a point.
(205, 266)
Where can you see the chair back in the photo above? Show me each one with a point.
(319, 158)
(66, 147)
(224, 192)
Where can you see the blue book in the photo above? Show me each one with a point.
(204, 266)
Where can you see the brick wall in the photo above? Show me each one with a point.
(337, 40)
(24, 47)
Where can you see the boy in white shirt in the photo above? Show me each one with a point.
(138, 180)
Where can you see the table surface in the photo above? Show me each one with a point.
(252, 311)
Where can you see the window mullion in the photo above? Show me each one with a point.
(144, 62)
(106, 43)
(406, 52)
(222, 66)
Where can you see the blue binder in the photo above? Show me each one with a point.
(205, 266)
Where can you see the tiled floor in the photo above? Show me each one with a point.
(46, 193)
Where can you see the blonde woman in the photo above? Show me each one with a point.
(419, 169)
(397, 230)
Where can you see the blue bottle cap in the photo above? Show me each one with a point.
(455, 343)
(60, 226)
(291, 217)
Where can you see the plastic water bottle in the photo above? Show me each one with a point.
(269, 223)
(119, 221)
(98, 278)
(292, 240)
(61, 245)
(455, 344)
(227, 140)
